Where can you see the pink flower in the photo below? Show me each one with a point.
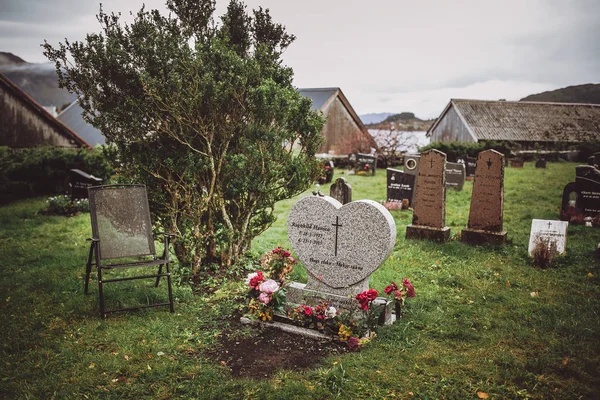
(397, 295)
(269, 287)
(265, 298)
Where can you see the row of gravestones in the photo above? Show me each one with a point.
(341, 245)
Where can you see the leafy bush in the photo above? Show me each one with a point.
(44, 170)
(456, 150)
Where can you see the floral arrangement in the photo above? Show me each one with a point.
(323, 317)
(399, 294)
(267, 288)
(63, 205)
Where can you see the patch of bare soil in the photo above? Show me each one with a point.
(271, 350)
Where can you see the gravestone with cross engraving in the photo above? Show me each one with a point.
(340, 246)
(548, 232)
(487, 201)
(429, 200)
(341, 190)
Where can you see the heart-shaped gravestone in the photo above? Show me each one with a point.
(340, 245)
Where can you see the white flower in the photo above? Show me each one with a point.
(330, 313)
(249, 278)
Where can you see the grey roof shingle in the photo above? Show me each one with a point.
(530, 121)
(71, 117)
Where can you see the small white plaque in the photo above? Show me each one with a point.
(551, 231)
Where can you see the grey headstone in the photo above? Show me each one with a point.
(411, 164)
(470, 165)
(549, 231)
(400, 186)
(341, 191)
(455, 175)
(340, 245)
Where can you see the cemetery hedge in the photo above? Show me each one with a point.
(44, 170)
(456, 150)
(485, 323)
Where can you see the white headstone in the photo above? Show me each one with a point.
(550, 231)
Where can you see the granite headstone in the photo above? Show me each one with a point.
(400, 186)
(540, 163)
(411, 164)
(362, 162)
(429, 200)
(79, 182)
(340, 246)
(585, 190)
(470, 165)
(455, 175)
(548, 231)
(341, 190)
(487, 201)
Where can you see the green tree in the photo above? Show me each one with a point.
(203, 113)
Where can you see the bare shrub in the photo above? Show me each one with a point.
(544, 252)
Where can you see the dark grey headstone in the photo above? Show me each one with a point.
(362, 162)
(585, 189)
(591, 160)
(470, 165)
(79, 182)
(341, 191)
(455, 175)
(540, 163)
(400, 186)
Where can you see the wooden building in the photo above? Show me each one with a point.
(526, 123)
(25, 123)
(344, 132)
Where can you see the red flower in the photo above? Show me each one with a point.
(353, 343)
(392, 287)
(410, 289)
(367, 166)
(256, 280)
(397, 295)
(372, 294)
(308, 311)
(286, 253)
(276, 250)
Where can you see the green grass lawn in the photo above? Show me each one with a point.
(484, 320)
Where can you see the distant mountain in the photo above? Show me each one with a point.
(374, 118)
(588, 93)
(10, 59)
(405, 121)
(37, 80)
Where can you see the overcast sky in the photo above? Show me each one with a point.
(385, 55)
